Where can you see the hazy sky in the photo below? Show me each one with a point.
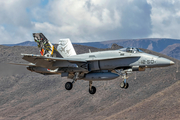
(88, 20)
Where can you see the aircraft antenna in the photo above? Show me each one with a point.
(135, 76)
(177, 67)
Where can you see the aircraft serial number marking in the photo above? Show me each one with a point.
(147, 61)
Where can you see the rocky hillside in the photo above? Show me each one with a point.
(155, 44)
(162, 105)
(172, 51)
(153, 94)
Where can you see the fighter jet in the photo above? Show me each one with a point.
(92, 66)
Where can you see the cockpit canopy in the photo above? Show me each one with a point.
(131, 50)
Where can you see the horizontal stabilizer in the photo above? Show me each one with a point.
(51, 62)
(27, 57)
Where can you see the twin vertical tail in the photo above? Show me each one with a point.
(46, 48)
(64, 49)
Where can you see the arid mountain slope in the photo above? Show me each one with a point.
(172, 51)
(27, 95)
(155, 44)
(163, 105)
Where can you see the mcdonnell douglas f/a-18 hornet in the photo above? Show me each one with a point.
(92, 66)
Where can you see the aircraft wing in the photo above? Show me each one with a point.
(47, 62)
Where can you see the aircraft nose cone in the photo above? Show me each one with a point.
(164, 62)
(172, 63)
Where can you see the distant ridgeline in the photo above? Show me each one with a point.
(26, 43)
(155, 44)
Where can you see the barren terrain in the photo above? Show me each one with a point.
(153, 94)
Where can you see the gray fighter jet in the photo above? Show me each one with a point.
(92, 66)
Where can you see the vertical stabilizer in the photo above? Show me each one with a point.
(65, 48)
(46, 48)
